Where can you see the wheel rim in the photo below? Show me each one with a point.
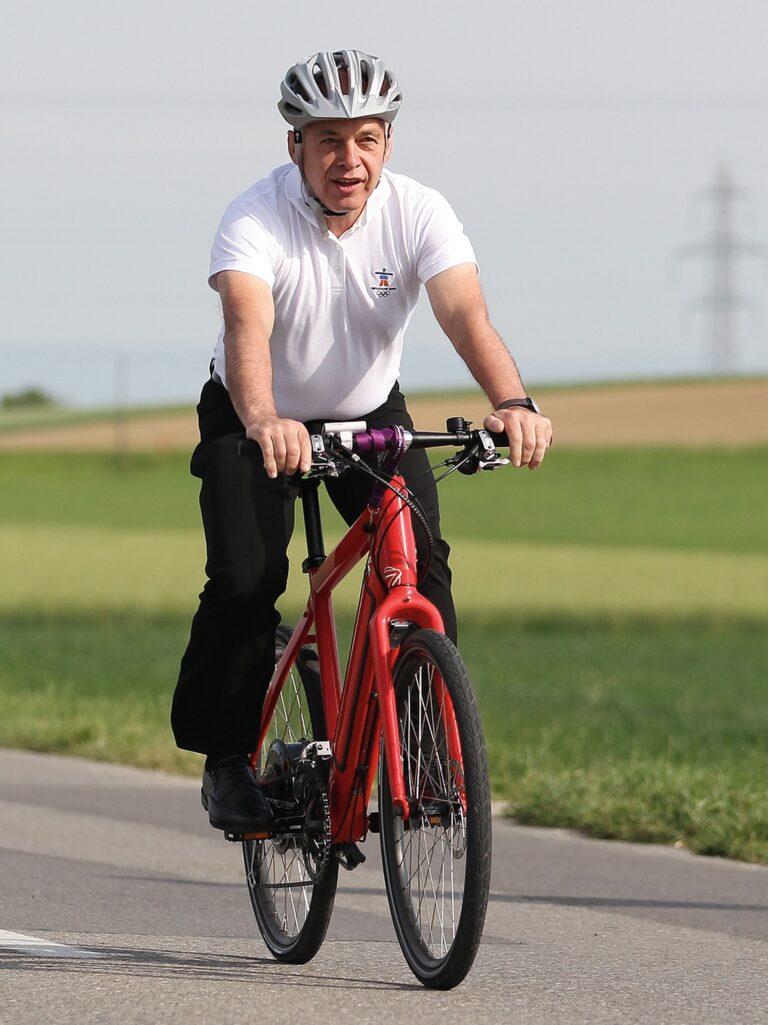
(280, 884)
(430, 846)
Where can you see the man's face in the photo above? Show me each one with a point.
(342, 161)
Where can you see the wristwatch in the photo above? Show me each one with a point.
(525, 403)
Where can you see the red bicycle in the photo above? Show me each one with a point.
(405, 710)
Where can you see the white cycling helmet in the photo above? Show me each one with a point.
(339, 84)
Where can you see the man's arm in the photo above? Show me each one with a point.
(459, 306)
(249, 315)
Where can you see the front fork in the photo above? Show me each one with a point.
(410, 606)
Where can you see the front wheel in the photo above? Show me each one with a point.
(437, 863)
(292, 879)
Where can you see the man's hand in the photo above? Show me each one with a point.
(529, 434)
(284, 444)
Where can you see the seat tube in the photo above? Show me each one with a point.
(313, 527)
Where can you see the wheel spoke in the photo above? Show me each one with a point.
(279, 872)
(431, 880)
(437, 860)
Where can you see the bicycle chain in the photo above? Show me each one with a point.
(323, 841)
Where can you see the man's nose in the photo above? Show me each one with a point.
(349, 154)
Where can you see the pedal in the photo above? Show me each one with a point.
(349, 856)
(289, 825)
(239, 837)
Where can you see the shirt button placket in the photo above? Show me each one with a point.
(337, 263)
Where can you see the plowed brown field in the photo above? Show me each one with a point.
(718, 413)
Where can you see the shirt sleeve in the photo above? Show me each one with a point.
(243, 243)
(441, 242)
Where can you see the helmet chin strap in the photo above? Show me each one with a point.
(315, 203)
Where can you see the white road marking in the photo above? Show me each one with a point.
(44, 948)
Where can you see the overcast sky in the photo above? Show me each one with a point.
(576, 140)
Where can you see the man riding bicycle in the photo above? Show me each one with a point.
(318, 267)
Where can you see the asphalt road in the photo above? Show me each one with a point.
(118, 903)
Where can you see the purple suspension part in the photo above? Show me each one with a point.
(394, 441)
(375, 440)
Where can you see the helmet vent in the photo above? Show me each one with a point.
(295, 85)
(365, 77)
(319, 77)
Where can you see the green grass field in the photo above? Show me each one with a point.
(613, 613)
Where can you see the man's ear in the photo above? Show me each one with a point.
(388, 144)
(292, 147)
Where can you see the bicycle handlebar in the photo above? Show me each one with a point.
(479, 445)
(430, 439)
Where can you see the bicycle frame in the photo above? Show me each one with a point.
(358, 711)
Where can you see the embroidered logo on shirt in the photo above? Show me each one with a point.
(383, 286)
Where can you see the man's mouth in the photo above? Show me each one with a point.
(346, 183)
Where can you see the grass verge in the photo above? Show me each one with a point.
(636, 729)
(629, 728)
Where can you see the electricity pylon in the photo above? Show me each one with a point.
(723, 247)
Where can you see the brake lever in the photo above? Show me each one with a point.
(482, 455)
(324, 463)
(489, 457)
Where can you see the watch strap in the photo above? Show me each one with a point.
(525, 403)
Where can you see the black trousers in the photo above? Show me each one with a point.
(248, 521)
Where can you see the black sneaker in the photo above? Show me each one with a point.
(232, 798)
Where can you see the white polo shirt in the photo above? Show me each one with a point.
(341, 304)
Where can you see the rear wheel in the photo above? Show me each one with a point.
(437, 864)
(292, 878)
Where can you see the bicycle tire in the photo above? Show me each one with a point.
(292, 910)
(437, 865)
